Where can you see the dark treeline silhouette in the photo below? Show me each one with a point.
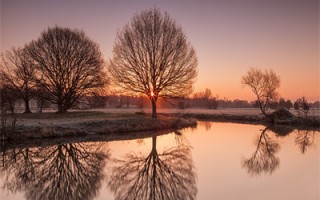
(13, 103)
(126, 101)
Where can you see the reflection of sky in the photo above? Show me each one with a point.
(229, 36)
(217, 151)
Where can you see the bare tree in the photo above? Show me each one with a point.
(17, 71)
(151, 56)
(69, 65)
(264, 85)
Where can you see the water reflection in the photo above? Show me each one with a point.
(64, 171)
(280, 130)
(263, 159)
(304, 139)
(206, 124)
(74, 168)
(157, 176)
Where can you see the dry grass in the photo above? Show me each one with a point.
(104, 121)
(87, 123)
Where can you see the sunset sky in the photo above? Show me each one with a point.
(230, 36)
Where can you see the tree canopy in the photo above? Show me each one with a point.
(17, 72)
(264, 85)
(69, 65)
(152, 56)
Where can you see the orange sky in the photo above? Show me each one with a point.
(230, 36)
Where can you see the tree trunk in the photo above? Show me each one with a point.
(61, 108)
(40, 105)
(264, 111)
(154, 108)
(27, 107)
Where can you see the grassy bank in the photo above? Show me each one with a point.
(310, 122)
(107, 121)
(47, 125)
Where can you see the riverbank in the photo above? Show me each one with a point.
(234, 115)
(80, 123)
(46, 125)
(297, 122)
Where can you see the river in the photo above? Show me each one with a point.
(225, 161)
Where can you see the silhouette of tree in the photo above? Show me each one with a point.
(263, 159)
(302, 105)
(304, 139)
(264, 85)
(151, 56)
(166, 176)
(205, 99)
(64, 171)
(9, 99)
(285, 104)
(69, 65)
(17, 72)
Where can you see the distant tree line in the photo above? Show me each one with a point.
(197, 100)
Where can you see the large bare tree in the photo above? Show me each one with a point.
(16, 72)
(264, 85)
(69, 65)
(152, 56)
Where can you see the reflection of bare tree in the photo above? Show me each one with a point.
(65, 171)
(180, 138)
(165, 176)
(207, 125)
(304, 139)
(263, 160)
(18, 167)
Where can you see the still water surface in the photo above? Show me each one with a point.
(213, 161)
